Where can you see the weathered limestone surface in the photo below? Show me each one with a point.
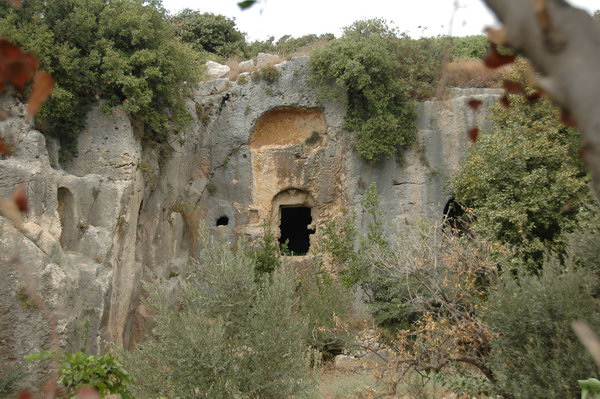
(121, 211)
(418, 186)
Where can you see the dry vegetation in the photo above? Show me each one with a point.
(470, 73)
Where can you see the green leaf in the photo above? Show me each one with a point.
(246, 4)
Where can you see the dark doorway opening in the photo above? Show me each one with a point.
(455, 217)
(294, 229)
(223, 221)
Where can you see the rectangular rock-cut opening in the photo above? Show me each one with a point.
(294, 227)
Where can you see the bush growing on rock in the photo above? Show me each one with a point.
(382, 74)
(379, 110)
(120, 51)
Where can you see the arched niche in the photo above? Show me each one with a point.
(282, 126)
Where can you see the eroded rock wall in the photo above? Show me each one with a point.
(121, 210)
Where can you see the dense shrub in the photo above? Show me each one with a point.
(524, 180)
(379, 109)
(105, 373)
(582, 243)
(269, 74)
(225, 334)
(288, 45)
(210, 33)
(122, 51)
(535, 353)
(474, 47)
(322, 298)
(266, 254)
(421, 61)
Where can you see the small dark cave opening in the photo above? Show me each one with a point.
(223, 221)
(455, 217)
(294, 229)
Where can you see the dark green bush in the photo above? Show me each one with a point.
(269, 74)
(524, 180)
(475, 47)
(121, 51)
(535, 353)
(266, 255)
(582, 243)
(382, 75)
(210, 33)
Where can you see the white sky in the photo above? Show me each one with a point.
(301, 17)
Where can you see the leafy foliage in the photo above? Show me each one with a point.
(210, 33)
(524, 181)
(226, 334)
(104, 373)
(352, 252)
(269, 74)
(341, 240)
(321, 299)
(267, 254)
(535, 352)
(475, 47)
(286, 45)
(582, 243)
(379, 110)
(121, 51)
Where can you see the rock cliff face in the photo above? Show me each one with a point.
(257, 156)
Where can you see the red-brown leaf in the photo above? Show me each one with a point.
(474, 134)
(19, 196)
(505, 101)
(16, 67)
(25, 395)
(15, 3)
(475, 104)
(42, 87)
(2, 148)
(513, 87)
(493, 59)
